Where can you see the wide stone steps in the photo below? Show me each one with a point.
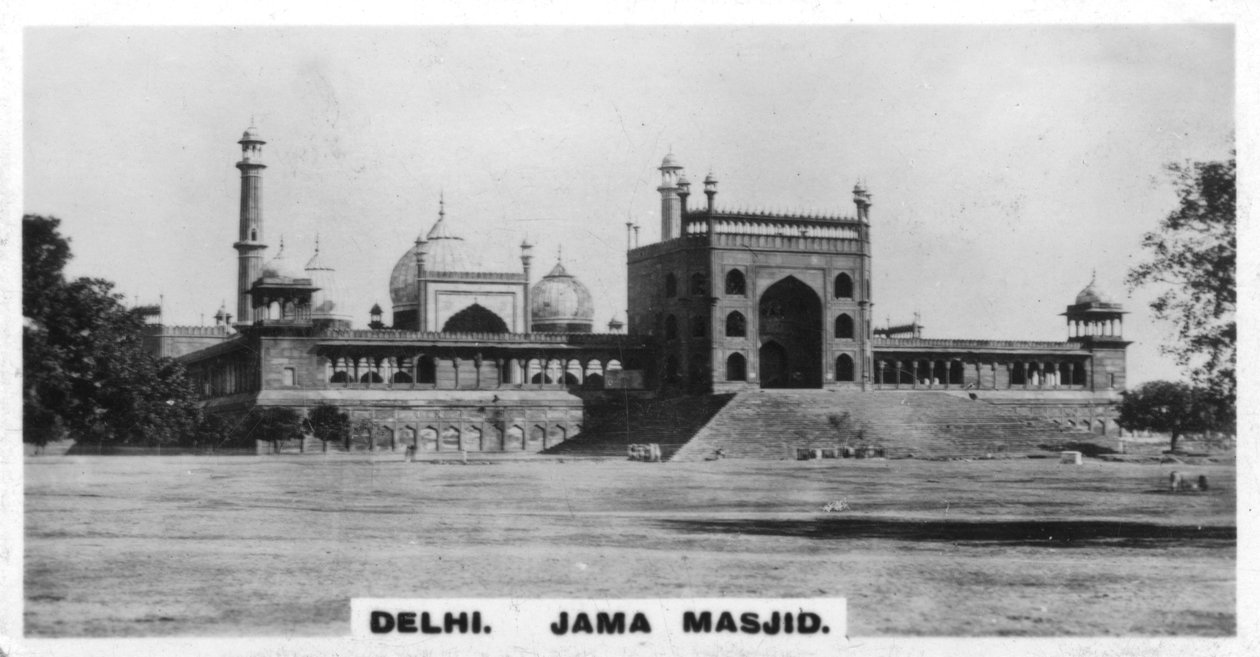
(773, 424)
(609, 428)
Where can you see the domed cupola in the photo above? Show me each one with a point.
(1090, 294)
(280, 266)
(282, 294)
(560, 303)
(1095, 316)
(328, 305)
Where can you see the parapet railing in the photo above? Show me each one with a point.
(167, 330)
(946, 343)
(621, 339)
(511, 277)
(785, 241)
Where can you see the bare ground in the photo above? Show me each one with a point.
(214, 546)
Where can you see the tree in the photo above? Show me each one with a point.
(85, 370)
(1174, 408)
(328, 423)
(361, 432)
(1195, 249)
(213, 431)
(272, 423)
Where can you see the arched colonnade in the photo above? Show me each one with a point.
(937, 372)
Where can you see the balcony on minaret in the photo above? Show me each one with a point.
(251, 147)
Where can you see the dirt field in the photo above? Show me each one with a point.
(213, 546)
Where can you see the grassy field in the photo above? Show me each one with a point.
(216, 546)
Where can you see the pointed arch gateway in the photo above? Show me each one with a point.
(791, 333)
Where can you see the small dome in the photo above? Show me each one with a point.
(280, 266)
(329, 301)
(670, 163)
(560, 302)
(709, 179)
(251, 134)
(1091, 294)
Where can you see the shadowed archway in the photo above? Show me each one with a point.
(475, 319)
(791, 333)
(791, 318)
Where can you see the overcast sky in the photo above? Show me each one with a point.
(1006, 163)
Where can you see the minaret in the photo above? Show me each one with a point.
(526, 257)
(671, 204)
(862, 199)
(866, 304)
(249, 247)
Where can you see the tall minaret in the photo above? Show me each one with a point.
(671, 204)
(250, 247)
(866, 304)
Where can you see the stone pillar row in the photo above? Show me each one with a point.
(468, 372)
(1041, 374)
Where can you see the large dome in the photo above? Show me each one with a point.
(561, 303)
(444, 251)
(402, 282)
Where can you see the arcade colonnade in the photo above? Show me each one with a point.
(444, 370)
(1020, 372)
(1112, 327)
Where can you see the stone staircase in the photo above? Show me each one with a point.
(772, 424)
(610, 427)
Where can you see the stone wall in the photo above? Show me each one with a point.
(175, 341)
(1072, 410)
(445, 421)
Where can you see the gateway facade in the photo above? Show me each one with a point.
(726, 301)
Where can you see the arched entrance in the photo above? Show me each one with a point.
(790, 332)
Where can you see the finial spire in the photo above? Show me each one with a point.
(441, 204)
(559, 252)
(317, 242)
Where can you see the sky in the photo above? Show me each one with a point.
(1008, 164)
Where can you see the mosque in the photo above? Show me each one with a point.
(727, 301)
